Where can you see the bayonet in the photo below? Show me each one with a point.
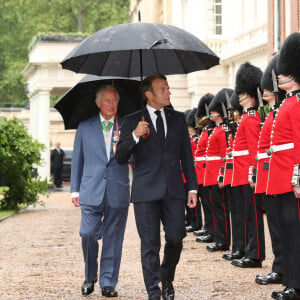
(206, 110)
(275, 88)
(229, 106)
(261, 105)
(224, 111)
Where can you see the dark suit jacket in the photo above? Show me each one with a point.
(157, 170)
(57, 158)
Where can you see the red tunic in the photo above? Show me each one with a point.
(286, 129)
(193, 141)
(229, 163)
(264, 143)
(200, 154)
(216, 147)
(246, 139)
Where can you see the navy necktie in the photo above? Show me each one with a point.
(160, 126)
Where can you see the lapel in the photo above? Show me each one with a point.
(168, 114)
(100, 144)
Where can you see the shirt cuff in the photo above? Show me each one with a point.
(193, 191)
(74, 195)
(136, 139)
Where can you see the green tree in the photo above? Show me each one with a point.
(18, 155)
(21, 20)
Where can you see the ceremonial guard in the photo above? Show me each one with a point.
(215, 152)
(193, 215)
(205, 235)
(244, 152)
(284, 173)
(235, 111)
(270, 95)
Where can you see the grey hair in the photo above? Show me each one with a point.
(106, 87)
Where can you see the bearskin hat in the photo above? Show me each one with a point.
(266, 81)
(186, 113)
(219, 98)
(235, 103)
(289, 57)
(247, 80)
(205, 99)
(191, 118)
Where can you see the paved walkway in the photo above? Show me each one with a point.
(41, 259)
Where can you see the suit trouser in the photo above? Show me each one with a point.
(271, 207)
(57, 176)
(289, 216)
(254, 223)
(221, 212)
(193, 215)
(148, 216)
(107, 223)
(236, 207)
(205, 197)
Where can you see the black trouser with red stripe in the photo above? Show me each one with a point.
(193, 216)
(221, 212)
(289, 217)
(237, 213)
(254, 224)
(271, 207)
(205, 199)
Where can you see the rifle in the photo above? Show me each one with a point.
(261, 105)
(227, 131)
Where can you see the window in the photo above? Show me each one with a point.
(215, 17)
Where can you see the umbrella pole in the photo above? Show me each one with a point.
(147, 134)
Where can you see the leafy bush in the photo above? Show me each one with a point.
(19, 153)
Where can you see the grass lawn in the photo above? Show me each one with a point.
(5, 213)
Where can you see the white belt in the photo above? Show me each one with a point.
(240, 153)
(199, 158)
(262, 155)
(277, 148)
(209, 158)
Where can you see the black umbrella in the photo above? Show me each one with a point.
(78, 103)
(140, 49)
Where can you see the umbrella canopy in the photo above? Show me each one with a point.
(140, 49)
(78, 103)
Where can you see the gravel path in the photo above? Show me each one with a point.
(41, 259)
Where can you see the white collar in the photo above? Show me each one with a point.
(112, 119)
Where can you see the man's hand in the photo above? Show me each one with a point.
(253, 185)
(141, 129)
(297, 191)
(192, 199)
(221, 185)
(75, 201)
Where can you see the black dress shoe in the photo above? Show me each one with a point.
(217, 247)
(109, 291)
(289, 294)
(189, 228)
(272, 277)
(154, 298)
(200, 232)
(246, 263)
(88, 287)
(205, 239)
(167, 290)
(238, 254)
(277, 292)
(227, 256)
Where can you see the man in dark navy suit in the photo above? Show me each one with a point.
(158, 190)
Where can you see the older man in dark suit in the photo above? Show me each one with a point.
(158, 190)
